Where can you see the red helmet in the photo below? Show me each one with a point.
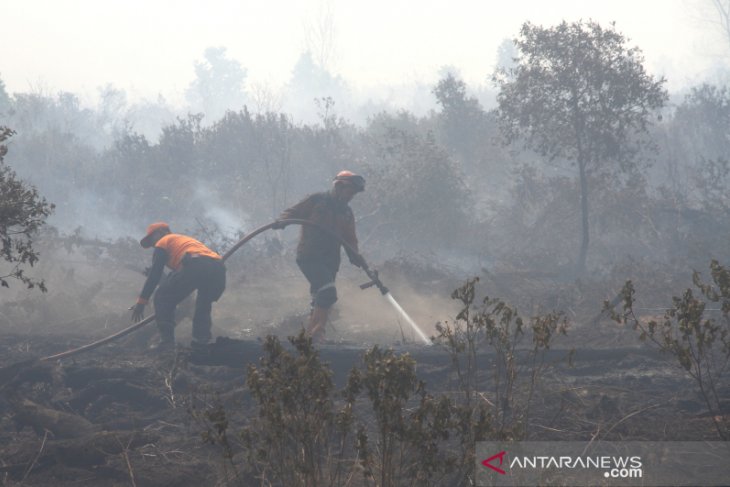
(349, 177)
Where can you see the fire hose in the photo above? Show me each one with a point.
(371, 273)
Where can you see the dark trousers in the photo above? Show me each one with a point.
(321, 275)
(208, 277)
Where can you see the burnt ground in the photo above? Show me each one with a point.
(122, 415)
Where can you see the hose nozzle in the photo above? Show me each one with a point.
(375, 281)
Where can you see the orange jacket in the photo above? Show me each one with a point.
(170, 251)
(177, 246)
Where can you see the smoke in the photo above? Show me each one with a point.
(94, 214)
(225, 220)
(228, 221)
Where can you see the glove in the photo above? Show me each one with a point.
(278, 225)
(358, 261)
(137, 313)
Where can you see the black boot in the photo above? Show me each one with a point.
(167, 337)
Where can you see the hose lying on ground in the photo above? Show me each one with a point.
(293, 221)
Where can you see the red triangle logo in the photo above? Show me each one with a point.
(488, 462)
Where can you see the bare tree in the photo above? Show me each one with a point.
(722, 9)
(264, 99)
(320, 34)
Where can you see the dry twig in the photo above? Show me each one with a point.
(35, 459)
(125, 454)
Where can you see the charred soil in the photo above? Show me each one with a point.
(121, 415)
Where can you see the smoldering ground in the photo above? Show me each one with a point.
(121, 415)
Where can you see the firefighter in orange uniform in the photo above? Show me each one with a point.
(193, 267)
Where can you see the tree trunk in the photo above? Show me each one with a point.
(581, 264)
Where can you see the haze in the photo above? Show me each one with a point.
(149, 48)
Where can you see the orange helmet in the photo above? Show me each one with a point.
(349, 177)
(146, 242)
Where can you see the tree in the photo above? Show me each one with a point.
(22, 212)
(722, 12)
(414, 187)
(112, 111)
(148, 117)
(462, 118)
(309, 82)
(702, 122)
(578, 93)
(320, 35)
(5, 102)
(219, 84)
(695, 144)
(506, 54)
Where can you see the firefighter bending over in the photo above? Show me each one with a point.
(318, 254)
(193, 267)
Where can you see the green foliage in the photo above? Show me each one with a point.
(216, 422)
(298, 437)
(35, 114)
(699, 341)
(409, 439)
(702, 119)
(462, 120)
(5, 102)
(251, 165)
(470, 135)
(698, 145)
(506, 55)
(695, 147)
(494, 325)
(22, 213)
(577, 93)
(712, 182)
(415, 187)
(384, 424)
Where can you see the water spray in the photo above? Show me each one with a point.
(375, 281)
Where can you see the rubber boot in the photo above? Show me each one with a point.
(167, 336)
(317, 326)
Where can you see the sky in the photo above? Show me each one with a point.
(149, 47)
